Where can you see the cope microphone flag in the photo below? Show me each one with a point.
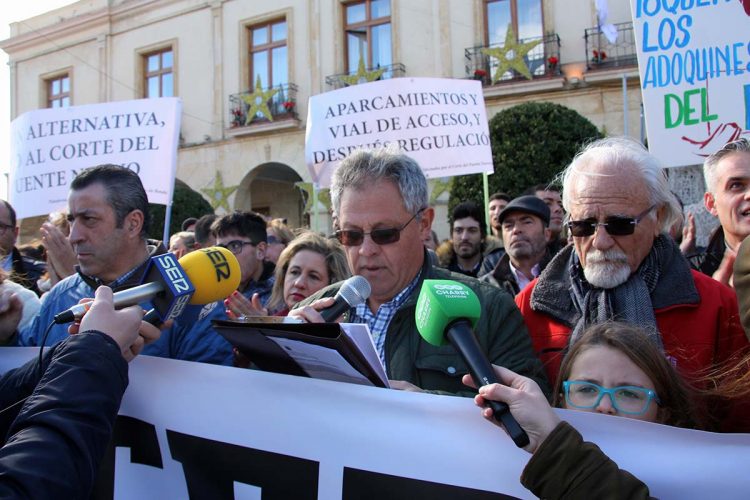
(169, 284)
(449, 310)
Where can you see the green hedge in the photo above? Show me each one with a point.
(531, 144)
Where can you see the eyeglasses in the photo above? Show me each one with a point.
(616, 225)
(626, 399)
(384, 236)
(5, 227)
(236, 246)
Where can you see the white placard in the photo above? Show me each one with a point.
(49, 147)
(694, 62)
(440, 122)
(213, 422)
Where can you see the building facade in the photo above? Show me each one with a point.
(244, 70)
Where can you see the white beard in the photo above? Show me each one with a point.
(606, 269)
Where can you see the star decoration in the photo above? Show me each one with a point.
(362, 75)
(510, 55)
(218, 195)
(324, 196)
(258, 101)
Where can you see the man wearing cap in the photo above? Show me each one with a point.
(525, 226)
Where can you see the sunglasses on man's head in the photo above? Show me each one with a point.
(384, 236)
(615, 225)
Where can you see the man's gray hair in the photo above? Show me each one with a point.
(710, 163)
(620, 152)
(367, 166)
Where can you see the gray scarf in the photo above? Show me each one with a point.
(662, 280)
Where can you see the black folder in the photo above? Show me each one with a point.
(253, 338)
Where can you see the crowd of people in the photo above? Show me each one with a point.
(588, 301)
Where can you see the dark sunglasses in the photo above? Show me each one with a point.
(384, 236)
(615, 225)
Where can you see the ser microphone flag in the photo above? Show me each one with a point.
(169, 284)
(448, 310)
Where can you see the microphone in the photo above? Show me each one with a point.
(353, 292)
(449, 310)
(168, 283)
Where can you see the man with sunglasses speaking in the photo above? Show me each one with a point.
(623, 265)
(382, 215)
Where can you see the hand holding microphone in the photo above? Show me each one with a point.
(448, 310)
(354, 291)
(169, 284)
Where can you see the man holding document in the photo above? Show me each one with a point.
(382, 215)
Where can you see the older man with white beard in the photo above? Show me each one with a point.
(623, 265)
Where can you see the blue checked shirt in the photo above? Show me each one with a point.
(378, 322)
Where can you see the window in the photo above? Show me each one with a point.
(368, 34)
(159, 73)
(525, 17)
(268, 54)
(58, 92)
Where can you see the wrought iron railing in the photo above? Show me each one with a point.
(543, 61)
(396, 70)
(601, 53)
(281, 105)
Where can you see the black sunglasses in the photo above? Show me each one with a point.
(384, 236)
(615, 225)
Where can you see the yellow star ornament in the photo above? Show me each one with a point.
(362, 75)
(218, 196)
(258, 101)
(510, 55)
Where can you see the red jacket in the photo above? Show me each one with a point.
(697, 336)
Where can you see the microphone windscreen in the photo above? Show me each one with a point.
(214, 271)
(355, 290)
(442, 302)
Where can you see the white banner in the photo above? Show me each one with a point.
(226, 431)
(49, 147)
(440, 122)
(694, 62)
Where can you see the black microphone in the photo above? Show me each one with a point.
(448, 310)
(353, 292)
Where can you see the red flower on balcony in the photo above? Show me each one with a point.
(479, 74)
(288, 105)
(599, 56)
(552, 62)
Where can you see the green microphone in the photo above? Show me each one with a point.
(447, 311)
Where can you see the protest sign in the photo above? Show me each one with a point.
(49, 147)
(441, 123)
(694, 62)
(223, 432)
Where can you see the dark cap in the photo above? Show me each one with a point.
(528, 204)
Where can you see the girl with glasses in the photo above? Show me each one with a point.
(614, 368)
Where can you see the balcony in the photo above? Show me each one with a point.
(601, 54)
(396, 70)
(281, 104)
(543, 61)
